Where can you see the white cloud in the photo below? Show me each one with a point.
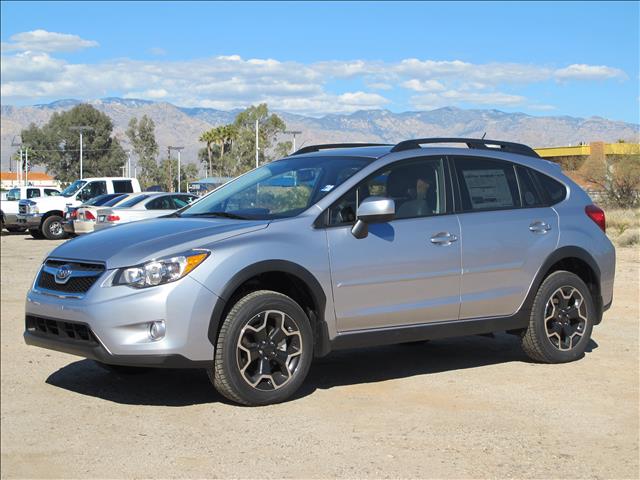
(579, 71)
(230, 81)
(157, 51)
(44, 41)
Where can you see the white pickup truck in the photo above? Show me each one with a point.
(43, 216)
(9, 205)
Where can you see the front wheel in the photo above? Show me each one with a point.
(52, 228)
(264, 349)
(561, 320)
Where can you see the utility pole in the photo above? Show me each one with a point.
(177, 149)
(129, 163)
(257, 141)
(26, 166)
(294, 133)
(81, 128)
(18, 143)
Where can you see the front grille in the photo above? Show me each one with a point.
(61, 329)
(83, 276)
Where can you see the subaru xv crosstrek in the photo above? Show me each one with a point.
(333, 247)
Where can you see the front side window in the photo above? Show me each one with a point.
(416, 187)
(33, 192)
(13, 194)
(279, 189)
(50, 192)
(486, 184)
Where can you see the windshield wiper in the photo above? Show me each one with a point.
(217, 214)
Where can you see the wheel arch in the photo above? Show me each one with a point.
(575, 260)
(282, 276)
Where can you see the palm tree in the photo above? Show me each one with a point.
(209, 137)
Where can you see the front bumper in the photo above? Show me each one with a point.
(118, 319)
(29, 220)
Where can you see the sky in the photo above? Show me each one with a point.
(549, 58)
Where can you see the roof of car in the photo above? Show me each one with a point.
(372, 152)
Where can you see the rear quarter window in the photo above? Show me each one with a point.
(122, 186)
(554, 190)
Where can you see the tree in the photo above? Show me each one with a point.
(168, 173)
(283, 149)
(209, 138)
(56, 147)
(243, 151)
(619, 178)
(141, 134)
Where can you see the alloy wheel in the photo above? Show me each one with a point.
(269, 349)
(565, 318)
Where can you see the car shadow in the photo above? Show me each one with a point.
(182, 387)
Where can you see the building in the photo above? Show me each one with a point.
(38, 179)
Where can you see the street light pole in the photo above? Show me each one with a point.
(81, 128)
(26, 166)
(294, 133)
(19, 162)
(257, 142)
(178, 149)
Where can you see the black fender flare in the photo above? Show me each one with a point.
(318, 296)
(555, 257)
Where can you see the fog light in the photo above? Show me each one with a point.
(157, 330)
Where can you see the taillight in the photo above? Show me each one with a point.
(88, 215)
(597, 215)
(73, 214)
(113, 218)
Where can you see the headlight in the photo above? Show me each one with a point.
(34, 208)
(161, 271)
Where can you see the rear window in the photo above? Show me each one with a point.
(114, 200)
(134, 201)
(555, 191)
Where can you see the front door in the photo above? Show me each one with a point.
(406, 271)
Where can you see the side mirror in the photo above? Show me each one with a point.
(373, 210)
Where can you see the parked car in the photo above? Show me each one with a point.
(380, 245)
(10, 205)
(81, 219)
(142, 207)
(43, 216)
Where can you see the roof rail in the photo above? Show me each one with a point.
(477, 143)
(328, 146)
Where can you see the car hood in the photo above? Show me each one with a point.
(138, 242)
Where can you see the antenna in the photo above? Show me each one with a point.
(484, 135)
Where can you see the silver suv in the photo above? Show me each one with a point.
(334, 247)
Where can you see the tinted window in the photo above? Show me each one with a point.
(556, 192)
(529, 194)
(486, 184)
(416, 186)
(160, 203)
(13, 194)
(49, 192)
(93, 189)
(101, 200)
(134, 201)
(122, 186)
(115, 200)
(33, 192)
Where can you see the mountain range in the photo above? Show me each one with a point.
(182, 126)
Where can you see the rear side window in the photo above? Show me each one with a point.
(33, 192)
(486, 184)
(122, 186)
(555, 191)
(530, 196)
(160, 203)
(182, 200)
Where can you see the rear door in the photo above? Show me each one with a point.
(405, 272)
(507, 231)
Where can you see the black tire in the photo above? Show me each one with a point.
(52, 228)
(122, 369)
(35, 233)
(15, 229)
(227, 375)
(561, 338)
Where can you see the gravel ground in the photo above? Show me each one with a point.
(461, 408)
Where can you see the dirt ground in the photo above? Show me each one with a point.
(462, 408)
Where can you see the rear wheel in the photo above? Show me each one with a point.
(52, 228)
(36, 233)
(264, 349)
(561, 320)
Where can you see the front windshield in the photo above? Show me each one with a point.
(73, 188)
(13, 194)
(279, 189)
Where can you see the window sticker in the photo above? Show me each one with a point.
(326, 188)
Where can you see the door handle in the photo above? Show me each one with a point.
(539, 227)
(443, 238)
